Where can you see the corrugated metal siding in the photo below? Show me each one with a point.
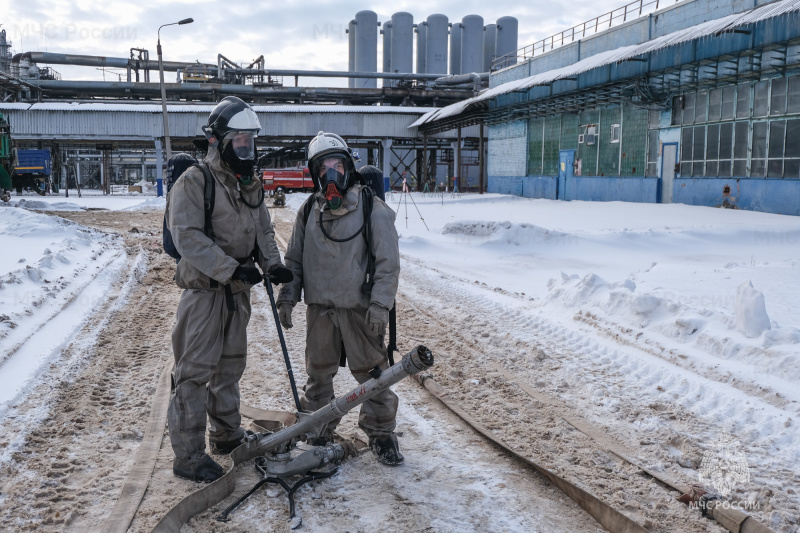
(33, 123)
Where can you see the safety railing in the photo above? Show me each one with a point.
(617, 16)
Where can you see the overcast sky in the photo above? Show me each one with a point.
(290, 34)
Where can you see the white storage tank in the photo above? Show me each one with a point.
(436, 49)
(471, 44)
(506, 41)
(455, 48)
(366, 47)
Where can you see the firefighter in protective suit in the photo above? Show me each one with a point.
(216, 271)
(330, 259)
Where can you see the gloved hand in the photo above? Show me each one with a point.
(285, 314)
(249, 275)
(280, 274)
(377, 318)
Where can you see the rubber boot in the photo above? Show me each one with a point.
(197, 467)
(386, 450)
(224, 447)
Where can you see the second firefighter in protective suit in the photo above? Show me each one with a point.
(345, 258)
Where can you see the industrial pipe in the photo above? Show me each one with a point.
(415, 361)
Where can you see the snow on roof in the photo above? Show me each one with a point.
(117, 106)
(708, 28)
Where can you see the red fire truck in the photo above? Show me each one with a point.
(287, 179)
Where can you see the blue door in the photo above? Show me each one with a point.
(566, 158)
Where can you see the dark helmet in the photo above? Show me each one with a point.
(176, 166)
(234, 119)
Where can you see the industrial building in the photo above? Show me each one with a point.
(697, 102)
(102, 131)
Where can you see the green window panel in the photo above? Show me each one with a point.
(552, 138)
(608, 151)
(535, 146)
(634, 141)
(569, 132)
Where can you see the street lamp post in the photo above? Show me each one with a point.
(160, 184)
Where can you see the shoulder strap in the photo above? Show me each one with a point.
(209, 195)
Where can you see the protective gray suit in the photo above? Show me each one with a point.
(330, 275)
(210, 341)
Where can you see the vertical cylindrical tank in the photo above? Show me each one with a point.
(489, 36)
(366, 47)
(402, 42)
(507, 28)
(422, 45)
(471, 44)
(455, 48)
(351, 58)
(387, 50)
(436, 48)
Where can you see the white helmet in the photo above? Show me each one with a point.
(330, 145)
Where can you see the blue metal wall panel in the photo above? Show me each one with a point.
(673, 56)
(539, 187)
(768, 195)
(505, 185)
(609, 189)
(564, 86)
(597, 76)
(627, 69)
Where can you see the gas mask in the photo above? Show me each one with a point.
(333, 180)
(239, 153)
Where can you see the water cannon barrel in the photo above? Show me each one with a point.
(414, 362)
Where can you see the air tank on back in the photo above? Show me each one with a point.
(387, 50)
(351, 58)
(506, 41)
(402, 43)
(422, 45)
(436, 48)
(471, 44)
(366, 47)
(489, 35)
(455, 48)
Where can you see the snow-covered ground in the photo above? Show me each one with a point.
(705, 299)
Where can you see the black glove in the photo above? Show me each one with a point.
(280, 274)
(249, 275)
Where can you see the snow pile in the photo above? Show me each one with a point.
(681, 325)
(506, 232)
(751, 312)
(52, 272)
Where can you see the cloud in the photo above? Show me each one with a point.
(290, 34)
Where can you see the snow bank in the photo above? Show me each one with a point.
(49, 265)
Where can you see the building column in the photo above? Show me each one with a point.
(159, 169)
(386, 158)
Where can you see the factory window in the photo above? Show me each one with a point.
(777, 133)
(712, 150)
(725, 148)
(677, 111)
(777, 102)
(793, 101)
(743, 100)
(791, 165)
(728, 98)
(655, 118)
(614, 133)
(758, 163)
(761, 99)
(701, 107)
(714, 105)
(783, 148)
(693, 152)
(741, 134)
(688, 108)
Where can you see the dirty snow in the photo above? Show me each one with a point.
(684, 309)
